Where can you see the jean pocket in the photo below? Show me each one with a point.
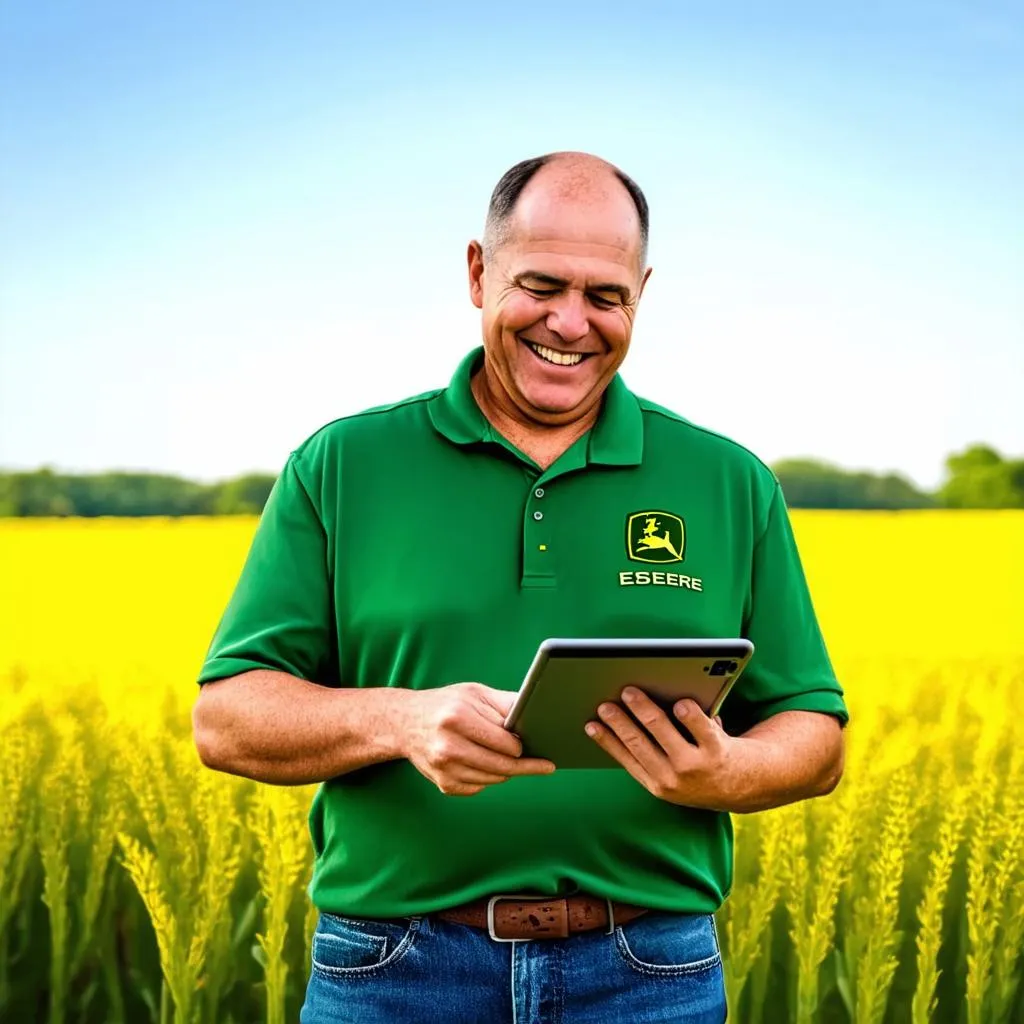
(666, 944)
(354, 947)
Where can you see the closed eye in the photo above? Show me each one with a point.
(601, 301)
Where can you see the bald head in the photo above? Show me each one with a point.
(559, 179)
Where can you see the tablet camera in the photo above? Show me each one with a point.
(723, 668)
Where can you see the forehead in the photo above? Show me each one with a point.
(599, 230)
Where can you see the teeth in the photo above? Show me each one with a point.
(558, 358)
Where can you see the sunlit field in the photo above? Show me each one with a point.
(136, 885)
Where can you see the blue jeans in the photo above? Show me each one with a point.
(421, 970)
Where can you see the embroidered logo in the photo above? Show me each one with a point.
(655, 537)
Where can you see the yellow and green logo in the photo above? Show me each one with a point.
(655, 537)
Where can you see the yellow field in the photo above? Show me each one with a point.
(136, 885)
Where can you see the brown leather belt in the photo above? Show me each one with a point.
(517, 918)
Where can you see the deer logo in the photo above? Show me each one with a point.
(655, 537)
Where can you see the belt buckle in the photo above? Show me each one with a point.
(526, 896)
(509, 896)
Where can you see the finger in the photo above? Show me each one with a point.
(500, 701)
(633, 738)
(657, 723)
(475, 777)
(491, 735)
(531, 766)
(705, 730)
(478, 720)
(614, 747)
(486, 760)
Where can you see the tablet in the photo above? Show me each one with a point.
(570, 678)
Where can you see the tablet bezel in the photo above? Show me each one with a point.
(733, 648)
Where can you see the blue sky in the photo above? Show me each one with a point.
(225, 225)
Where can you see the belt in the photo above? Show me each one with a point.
(518, 917)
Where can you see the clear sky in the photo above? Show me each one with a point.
(224, 225)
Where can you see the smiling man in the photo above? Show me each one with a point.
(407, 564)
(558, 278)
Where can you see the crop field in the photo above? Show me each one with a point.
(136, 885)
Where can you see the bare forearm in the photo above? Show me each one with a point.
(277, 728)
(794, 755)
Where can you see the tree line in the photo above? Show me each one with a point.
(978, 477)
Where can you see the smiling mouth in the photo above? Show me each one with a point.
(550, 355)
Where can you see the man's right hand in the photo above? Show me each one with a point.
(454, 736)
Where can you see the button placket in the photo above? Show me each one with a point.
(537, 568)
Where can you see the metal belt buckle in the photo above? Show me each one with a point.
(509, 896)
(524, 896)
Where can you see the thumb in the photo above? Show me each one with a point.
(692, 715)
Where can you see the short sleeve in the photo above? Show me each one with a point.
(790, 669)
(280, 613)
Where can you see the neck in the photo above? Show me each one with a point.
(542, 442)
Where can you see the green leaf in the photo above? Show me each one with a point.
(827, 979)
(87, 997)
(145, 992)
(258, 955)
(246, 924)
(843, 982)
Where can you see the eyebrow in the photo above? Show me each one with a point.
(619, 289)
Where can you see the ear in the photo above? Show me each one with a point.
(475, 262)
(643, 282)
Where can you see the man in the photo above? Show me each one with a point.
(407, 564)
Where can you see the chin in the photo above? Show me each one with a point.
(553, 402)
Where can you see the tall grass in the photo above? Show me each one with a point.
(160, 881)
(278, 826)
(932, 905)
(19, 813)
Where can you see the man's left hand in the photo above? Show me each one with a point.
(660, 758)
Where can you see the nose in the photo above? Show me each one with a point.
(568, 317)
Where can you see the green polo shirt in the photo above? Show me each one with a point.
(412, 546)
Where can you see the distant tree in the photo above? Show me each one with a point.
(8, 502)
(40, 493)
(245, 495)
(979, 477)
(811, 483)
(134, 494)
(44, 492)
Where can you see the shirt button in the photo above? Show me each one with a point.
(538, 515)
(539, 493)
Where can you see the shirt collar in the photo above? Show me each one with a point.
(617, 438)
